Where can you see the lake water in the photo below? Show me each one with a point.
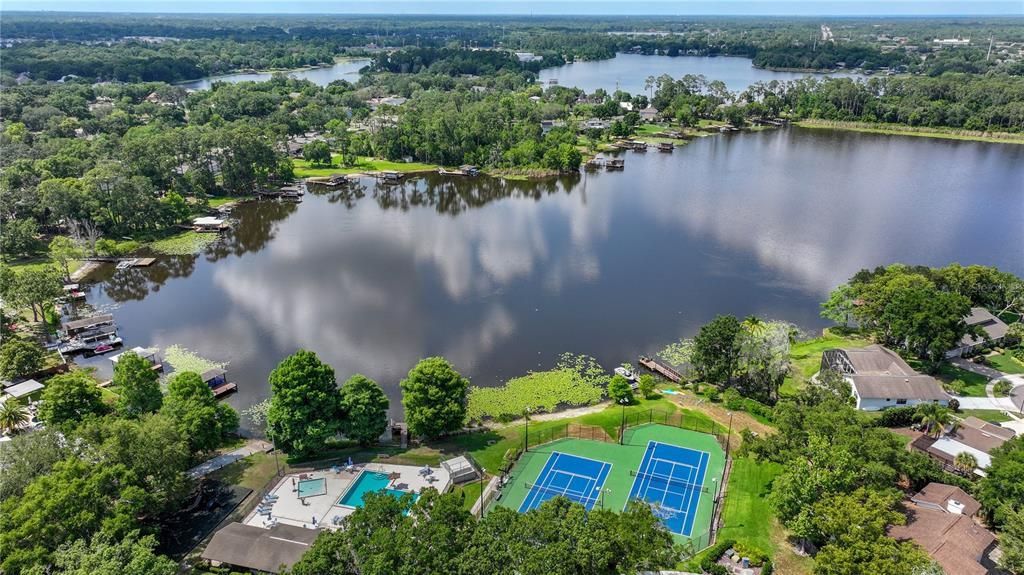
(628, 72)
(344, 70)
(501, 277)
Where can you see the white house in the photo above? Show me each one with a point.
(880, 378)
(993, 328)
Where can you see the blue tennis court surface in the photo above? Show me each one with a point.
(578, 478)
(671, 479)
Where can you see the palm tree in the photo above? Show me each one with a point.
(934, 417)
(965, 462)
(13, 415)
(755, 325)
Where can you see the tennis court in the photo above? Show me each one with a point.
(614, 470)
(671, 480)
(578, 478)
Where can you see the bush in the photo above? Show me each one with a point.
(712, 394)
(896, 417)
(954, 404)
(956, 387)
(732, 399)
(1002, 388)
(710, 556)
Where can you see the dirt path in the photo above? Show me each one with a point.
(564, 414)
(720, 414)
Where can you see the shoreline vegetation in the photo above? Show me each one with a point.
(917, 131)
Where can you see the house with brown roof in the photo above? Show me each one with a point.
(971, 435)
(880, 378)
(940, 520)
(993, 328)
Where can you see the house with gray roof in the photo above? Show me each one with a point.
(993, 328)
(880, 378)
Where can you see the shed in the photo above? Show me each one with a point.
(148, 354)
(24, 388)
(462, 469)
(260, 549)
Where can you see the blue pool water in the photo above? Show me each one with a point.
(369, 482)
(311, 487)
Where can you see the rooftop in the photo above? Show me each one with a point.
(260, 549)
(24, 388)
(993, 327)
(939, 496)
(955, 541)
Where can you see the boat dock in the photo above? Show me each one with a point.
(464, 170)
(660, 369)
(666, 147)
(615, 164)
(224, 389)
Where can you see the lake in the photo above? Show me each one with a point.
(501, 277)
(343, 70)
(628, 72)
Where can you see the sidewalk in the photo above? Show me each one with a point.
(210, 465)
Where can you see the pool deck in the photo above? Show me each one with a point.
(291, 510)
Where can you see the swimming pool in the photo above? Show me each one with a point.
(369, 482)
(311, 487)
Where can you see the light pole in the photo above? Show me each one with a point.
(622, 426)
(526, 413)
(728, 438)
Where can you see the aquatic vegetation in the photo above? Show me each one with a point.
(182, 359)
(541, 391)
(184, 244)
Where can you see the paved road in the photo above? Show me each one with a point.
(223, 460)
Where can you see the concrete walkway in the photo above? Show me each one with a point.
(976, 368)
(210, 465)
(996, 403)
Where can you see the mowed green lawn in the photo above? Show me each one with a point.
(747, 516)
(304, 169)
(1006, 363)
(806, 357)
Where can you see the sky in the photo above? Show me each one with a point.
(539, 7)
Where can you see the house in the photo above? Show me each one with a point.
(971, 435)
(649, 114)
(24, 389)
(993, 328)
(880, 378)
(259, 549)
(940, 520)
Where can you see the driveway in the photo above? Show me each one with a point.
(998, 403)
(225, 459)
(976, 368)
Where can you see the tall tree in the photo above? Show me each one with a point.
(27, 456)
(934, 417)
(200, 417)
(1002, 488)
(716, 351)
(137, 385)
(70, 398)
(304, 403)
(105, 555)
(13, 416)
(364, 409)
(1011, 539)
(434, 398)
(20, 357)
(36, 288)
(64, 250)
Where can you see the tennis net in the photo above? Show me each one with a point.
(668, 480)
(573, 495)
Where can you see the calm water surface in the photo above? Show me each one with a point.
(628, 72)
(344, 70)
(501, 277)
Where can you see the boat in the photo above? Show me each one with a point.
(105, 347)
(625, 372)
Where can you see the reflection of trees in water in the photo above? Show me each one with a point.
(136, 283)
(256, 226)
(347, 195)
(454, 195)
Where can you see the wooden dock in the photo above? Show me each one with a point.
(224, 389)
(660, 369)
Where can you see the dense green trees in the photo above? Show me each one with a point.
(27, 456)
(918, 309)
(752, 355)
(317, 153)
(434, 398)
(138, 385)
(20, 357)
(619, 390)
(69, 399)
(130, 555)
(304, 403)
(364, 409)
(1002, 489)
(200, 417)
(438, 535)
(838, 489)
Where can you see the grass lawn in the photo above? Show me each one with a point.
(470, 493)
(948, 372)
(745, 517)
(254, 472)
(40, 262)
(806, 357)
(1005, 363)
(989, 415)
(304, 169)
(218, 202)
(918, 131)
